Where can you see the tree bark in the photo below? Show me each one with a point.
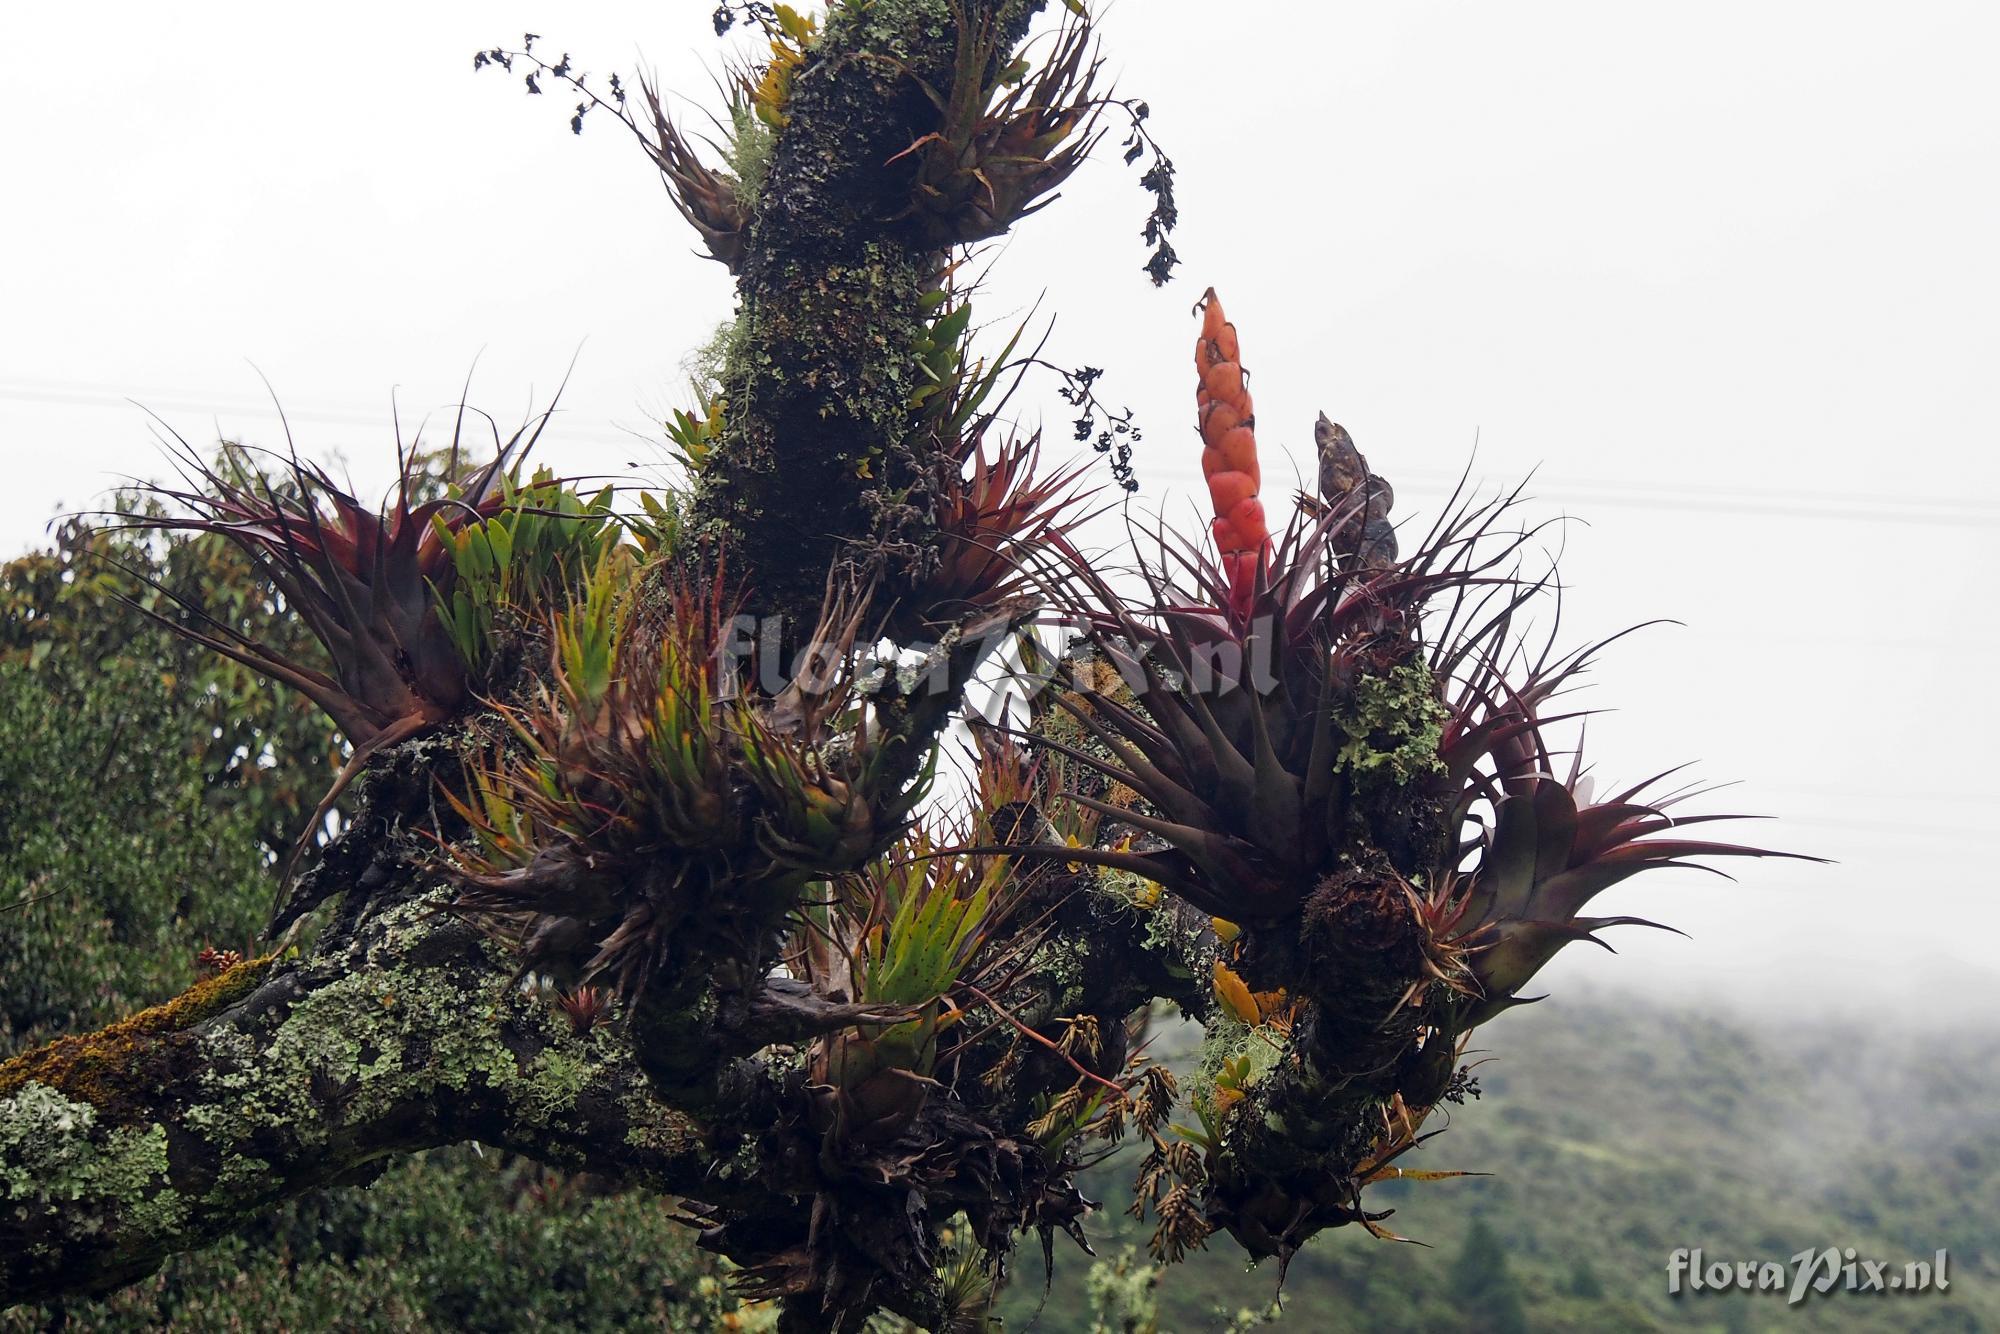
(180, 1124)
(815, 467)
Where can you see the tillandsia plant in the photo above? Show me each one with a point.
(653, 801)
(916, 938)
(995, 524)
(1010, 131)
(716, 201)
(999, 514)
(1326, 749)
(539, 540)
(1303, 780)
(367, 583)
(902, 933)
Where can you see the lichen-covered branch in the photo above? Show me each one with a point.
(174, 1127)
(816, 465)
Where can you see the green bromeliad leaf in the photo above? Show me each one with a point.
(531, 554)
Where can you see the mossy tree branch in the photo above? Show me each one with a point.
(816, 466)
(171, 1129)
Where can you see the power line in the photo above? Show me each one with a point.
(1771, 501)
(81, 396)
(1591, 492)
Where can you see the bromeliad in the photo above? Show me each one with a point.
(656, 803)
(1340, 753)
(367, 583)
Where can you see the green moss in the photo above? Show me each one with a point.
(747, 154)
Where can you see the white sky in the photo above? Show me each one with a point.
(1727, 276)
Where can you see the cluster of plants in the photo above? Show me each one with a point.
(635, 812)
(1334, 752)
(1315, 777)
(140, 846)
(1343, 755)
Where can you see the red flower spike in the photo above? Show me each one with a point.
(1229, 454)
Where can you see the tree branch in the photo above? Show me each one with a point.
(174, 1127)
(813, 468)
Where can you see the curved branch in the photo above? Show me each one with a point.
(172, 1128)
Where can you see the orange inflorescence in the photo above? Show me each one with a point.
(1229, 453)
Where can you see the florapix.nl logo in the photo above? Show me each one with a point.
(1809, 1272)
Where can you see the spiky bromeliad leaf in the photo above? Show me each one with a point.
(1549, 849)
(361, 580)
(657, 801)
(539, 540)
(1008, 135)
(996, 524)
(905, 932)
(1259, 691)
(367, 583)
(927, 915)
(1241, 728)
(710, 200)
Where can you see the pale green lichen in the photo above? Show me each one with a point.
(1394, 724)
(45, 1147)
(1226, 1039)
(1175, 945)
(1130, 888)
(1063, 964)
(744, 1164)
(551, 1086)
(357, 1034)
(370, 1045)
(707, 365)
(54, 1152)
(747, 154)
(241, 1173)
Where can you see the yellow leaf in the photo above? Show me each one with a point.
(1270, 1003)
(1234, 995)
(795, 25)
(1226, 931)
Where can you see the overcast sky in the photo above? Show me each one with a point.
(1726, 277)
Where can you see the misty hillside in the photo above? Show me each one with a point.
(1617, 1131)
